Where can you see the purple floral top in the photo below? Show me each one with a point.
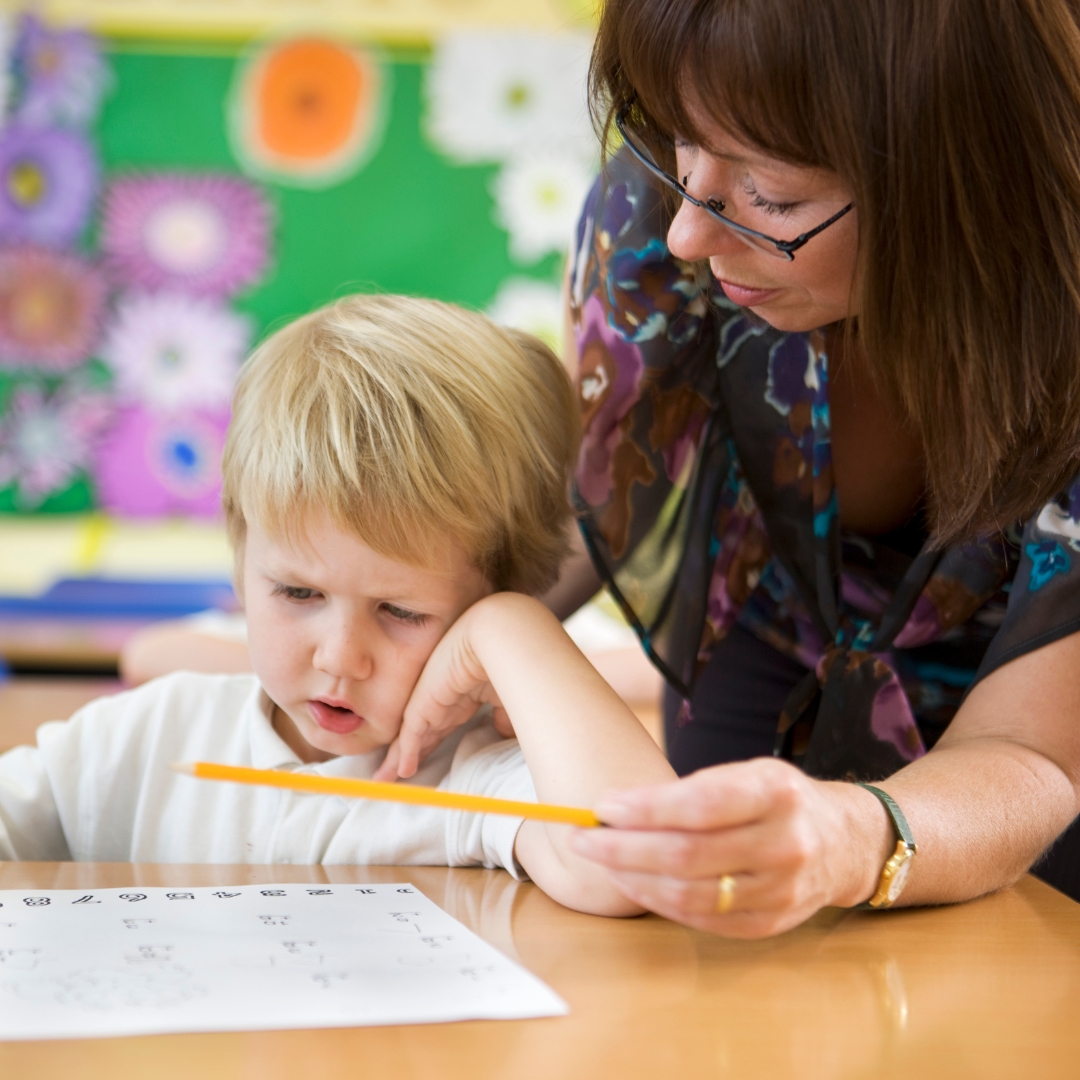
(705, 486)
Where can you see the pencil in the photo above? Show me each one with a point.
(375, 789)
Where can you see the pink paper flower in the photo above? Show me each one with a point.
(201, 234)
(51, 308)
(47, 439)
(155, 463)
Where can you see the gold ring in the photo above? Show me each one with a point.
(725, 894)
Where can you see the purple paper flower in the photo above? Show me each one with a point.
(48, 179)
(173, 351)
(206, 235)
(63, 76)
(47, 439)
(50, 308)
(153, 463)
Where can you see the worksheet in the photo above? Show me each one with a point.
(143, 961)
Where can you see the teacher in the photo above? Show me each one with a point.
(826, 300)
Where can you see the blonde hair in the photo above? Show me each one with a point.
(408, 421)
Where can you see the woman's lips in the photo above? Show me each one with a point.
(339, 721)
(745, 296)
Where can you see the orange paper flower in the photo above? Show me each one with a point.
(306, 112)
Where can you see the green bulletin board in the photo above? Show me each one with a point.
(410, 221)
(413, 218)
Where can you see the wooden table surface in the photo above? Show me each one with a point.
(987, 989)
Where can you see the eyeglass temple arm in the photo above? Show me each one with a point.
(788, 246)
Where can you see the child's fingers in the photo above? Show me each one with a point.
(388, 770)
(410, 746)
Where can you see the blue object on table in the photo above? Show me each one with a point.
(114, 598)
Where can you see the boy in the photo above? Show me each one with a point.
(392, 466)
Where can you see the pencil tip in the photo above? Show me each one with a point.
(183, 767)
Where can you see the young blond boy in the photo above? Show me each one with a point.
(395, 469)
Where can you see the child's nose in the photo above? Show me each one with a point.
(344, 654)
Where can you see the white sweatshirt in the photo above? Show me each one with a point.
(98, 788)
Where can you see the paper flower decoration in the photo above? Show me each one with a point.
(207, 235)
(174, 351)
(7, 42)
(48, 178)
(308, 112)
(493, 94)
(152, 463)
(63, 76)
(47, 439)
(537, 200)
(51, 307)
(532, 306)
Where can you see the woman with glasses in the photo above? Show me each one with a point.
(826, 300)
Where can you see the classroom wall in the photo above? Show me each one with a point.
(474, 207)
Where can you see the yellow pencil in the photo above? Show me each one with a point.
(374, 789)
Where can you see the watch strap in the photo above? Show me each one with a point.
(903, 829)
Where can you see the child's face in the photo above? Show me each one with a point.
(338, 634)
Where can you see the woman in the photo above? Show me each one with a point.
(827, 309)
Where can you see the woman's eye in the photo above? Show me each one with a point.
(758, 200)
(772, 207)
(294, 592)
(412, 618)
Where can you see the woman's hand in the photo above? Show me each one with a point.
(452, 686)
(793, 846)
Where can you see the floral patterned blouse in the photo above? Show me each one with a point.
(706, 498)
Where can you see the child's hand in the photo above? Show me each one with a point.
(452, 686)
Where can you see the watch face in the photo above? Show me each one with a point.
(896, 885)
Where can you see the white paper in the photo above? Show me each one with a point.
(141, 961)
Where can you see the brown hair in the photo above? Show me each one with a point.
(407, 421)
(956, 124)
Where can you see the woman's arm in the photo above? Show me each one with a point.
(579, 740)
(1000, 785)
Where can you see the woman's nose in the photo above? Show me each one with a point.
(695, 235)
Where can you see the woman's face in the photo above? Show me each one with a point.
(782, 201)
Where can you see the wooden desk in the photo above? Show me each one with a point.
(26, 701)
(987, 989)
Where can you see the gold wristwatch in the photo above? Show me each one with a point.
(895, 872)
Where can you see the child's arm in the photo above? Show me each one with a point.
(578, 738)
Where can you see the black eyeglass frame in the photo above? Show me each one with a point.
(787, 248)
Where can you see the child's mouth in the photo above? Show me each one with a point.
(333, 718)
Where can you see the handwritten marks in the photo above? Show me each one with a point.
(127, 962)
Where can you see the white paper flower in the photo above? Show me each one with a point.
(532, 306)
(174, 351)
(538, 199)
(491, 94)
(47, 439)
(7, 45)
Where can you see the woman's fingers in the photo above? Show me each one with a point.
(757, 909)
(778, 845)
(717, 798)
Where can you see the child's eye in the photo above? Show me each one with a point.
(412, 618)
(294, 592)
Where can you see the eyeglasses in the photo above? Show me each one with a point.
(782, 249)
